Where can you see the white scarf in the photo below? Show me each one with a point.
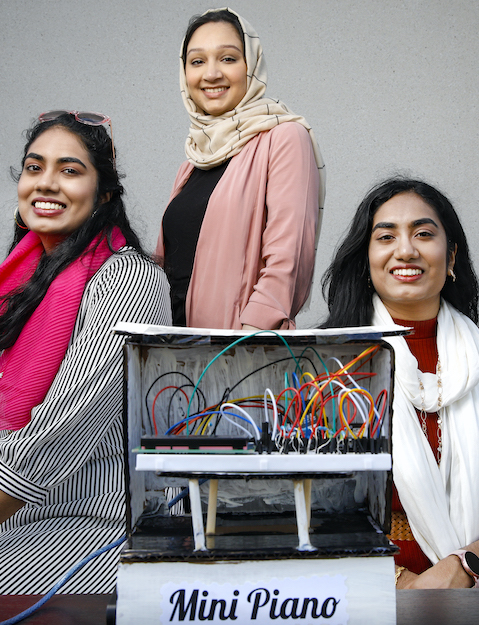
(441, 503)
(212, 140)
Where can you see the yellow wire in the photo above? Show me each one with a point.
(307, 373)
(201, 427)
(344, 418)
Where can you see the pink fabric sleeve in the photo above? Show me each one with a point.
(288, 242)
(255, 254)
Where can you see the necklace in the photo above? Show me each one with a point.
(423, 413)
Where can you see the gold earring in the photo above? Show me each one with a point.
(16, 213)
(452, 274)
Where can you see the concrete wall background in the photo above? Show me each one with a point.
(388, 85)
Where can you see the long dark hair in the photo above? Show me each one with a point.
(218, 15)
(17, 307)
(346, 285)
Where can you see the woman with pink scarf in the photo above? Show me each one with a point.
(75, 269)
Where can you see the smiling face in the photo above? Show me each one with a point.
(57, 187)
(215, 68)
(408, 257)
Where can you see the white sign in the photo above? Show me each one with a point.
(315, 599)
(303, 591)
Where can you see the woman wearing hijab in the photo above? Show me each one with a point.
(238, 237)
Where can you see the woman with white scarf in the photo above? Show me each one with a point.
(238, 237)
(405, 261)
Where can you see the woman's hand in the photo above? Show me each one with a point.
(447, 573)
(8, 506)
(246, 328)
(405, 579)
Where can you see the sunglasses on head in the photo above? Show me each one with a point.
(90, 119)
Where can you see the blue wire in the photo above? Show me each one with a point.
(182, 495)
(63, 580)
(207, 414)
(330, 383)
(297, 386)
(295, 380)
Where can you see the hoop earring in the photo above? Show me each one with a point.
(452, 275)
(16, 214)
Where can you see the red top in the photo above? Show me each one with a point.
(423, 346)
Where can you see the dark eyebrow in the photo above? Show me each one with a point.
(37, 157)
(64, 159)
(414, 224)
(384, 224)
(218, 48)
(71, 159)
(424, 220)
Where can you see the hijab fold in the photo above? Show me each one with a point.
(441, 502)
(212, 140)
(27, 369)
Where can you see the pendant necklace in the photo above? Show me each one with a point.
(423, 413)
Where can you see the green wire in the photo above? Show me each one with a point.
(330, 384)
(240, 340)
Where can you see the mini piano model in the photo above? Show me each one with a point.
(258, 472)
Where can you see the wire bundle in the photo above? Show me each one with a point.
(315, 411)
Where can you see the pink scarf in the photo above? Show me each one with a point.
(27, 369)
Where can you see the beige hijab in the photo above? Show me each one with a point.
(212, 140)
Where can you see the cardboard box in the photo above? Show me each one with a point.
(348, 562)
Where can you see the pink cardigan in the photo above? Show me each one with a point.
(255, 255)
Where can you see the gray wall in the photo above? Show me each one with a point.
(388, 85)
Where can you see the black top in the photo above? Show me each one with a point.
(181, 228)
